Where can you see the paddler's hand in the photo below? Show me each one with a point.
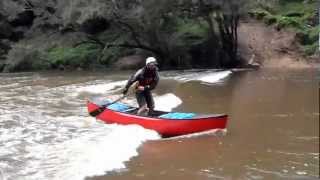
(125, 90)
(140, 88)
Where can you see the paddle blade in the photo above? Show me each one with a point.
(97, 111)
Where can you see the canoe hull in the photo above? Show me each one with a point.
(165, 127)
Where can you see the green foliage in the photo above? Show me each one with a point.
(285, 22)
(80, 56)
(298, 8)
(110, 55)
(270, 19)
(309, 39)
(189, 32)
(27, 61)
(260, 13)
(192, 28)
(38, 60)
(311, 49)
(314, 33)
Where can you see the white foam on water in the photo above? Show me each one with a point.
(102, 88)
(71, 147)
(95, 153)
(53, 137)
(203, 76)
(167, 102)
(214, 77)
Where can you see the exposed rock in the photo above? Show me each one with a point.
(5, 46)
(11, 9)
(79, 11)
(5, 30)
(24, 18)
(94, 25)
(130, 62)
(17, 35)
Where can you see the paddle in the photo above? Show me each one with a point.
(103, 107)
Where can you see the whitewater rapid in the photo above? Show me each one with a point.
(46, 132)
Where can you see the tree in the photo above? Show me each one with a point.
(147, 23)
(173, 30)
(222, 18)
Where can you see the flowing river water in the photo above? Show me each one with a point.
(272, 131)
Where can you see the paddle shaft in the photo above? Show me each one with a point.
(103, 107)
(115, 101)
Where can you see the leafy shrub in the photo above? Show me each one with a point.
(80, 56)
(311, 49)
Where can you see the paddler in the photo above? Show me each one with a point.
(147, 79)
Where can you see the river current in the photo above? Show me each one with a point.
(272, 132)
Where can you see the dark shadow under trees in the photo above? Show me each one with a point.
(181, 33)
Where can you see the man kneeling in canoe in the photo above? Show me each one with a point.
(147, 79)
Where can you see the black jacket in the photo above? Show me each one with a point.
(146, 79)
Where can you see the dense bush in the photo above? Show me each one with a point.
(73, 57)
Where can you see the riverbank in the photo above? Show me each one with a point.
(260, 45)
(265, 46)
(59, 35)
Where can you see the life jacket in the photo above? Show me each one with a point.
(147, 78)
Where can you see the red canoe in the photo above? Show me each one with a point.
(166, 127)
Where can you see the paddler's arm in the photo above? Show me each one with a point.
(132, 80)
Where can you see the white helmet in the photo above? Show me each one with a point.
(151, 60)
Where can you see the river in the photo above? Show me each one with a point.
(272, 131)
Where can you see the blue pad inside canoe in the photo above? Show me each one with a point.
(118, 107)
(178, 115)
